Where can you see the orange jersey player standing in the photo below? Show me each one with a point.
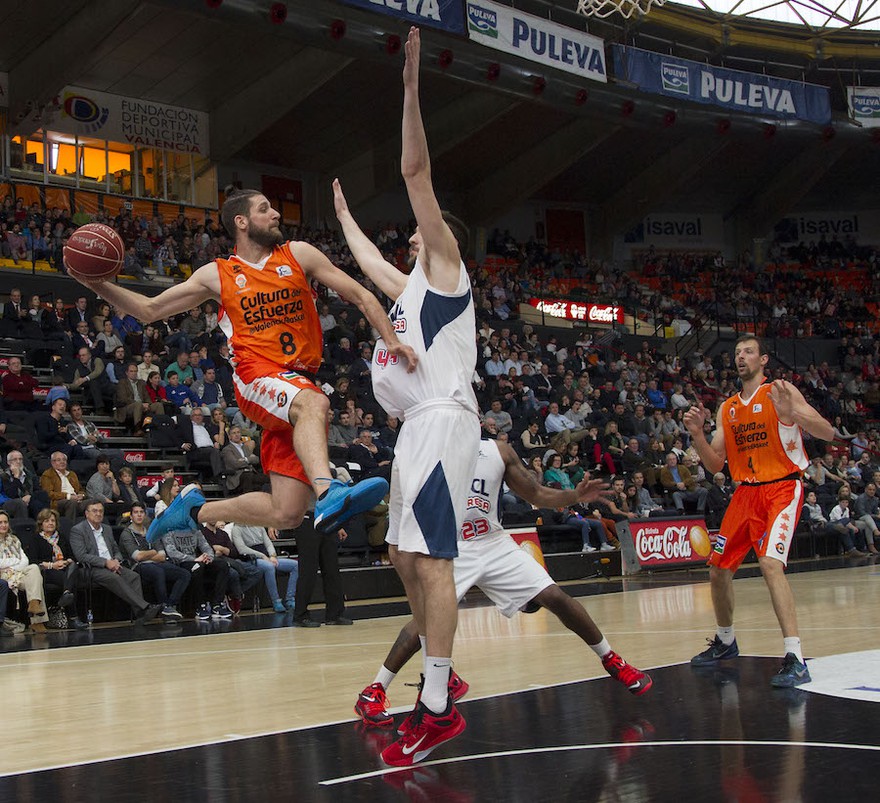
(758, 433)
(270, 319)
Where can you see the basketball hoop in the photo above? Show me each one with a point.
(626, 8)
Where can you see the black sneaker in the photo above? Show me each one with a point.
(716, 651)
(792, 673)
(169, 612)
(148, 614)
(221, 611)
(305, 621)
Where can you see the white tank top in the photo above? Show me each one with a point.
(483, 514)
(441, 329)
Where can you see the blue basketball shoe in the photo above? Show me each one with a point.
(340, 502)
(177, 515)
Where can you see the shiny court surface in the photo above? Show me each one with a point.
(242, 714)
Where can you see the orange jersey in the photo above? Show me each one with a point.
(759, 447)
(269, 315)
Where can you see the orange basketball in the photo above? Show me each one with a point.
(94, 251)
(700, 541)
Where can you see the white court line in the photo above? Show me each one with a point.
(601, 746)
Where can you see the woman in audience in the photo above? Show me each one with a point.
(21, 574)
(103, 314)
(555, 475)
(156, 393)
(571, 463)
(536, 468)
(168, 490)
(55, 559)
(218, 419)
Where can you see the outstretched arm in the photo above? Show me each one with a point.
(382, 273)
(524, 485)
(318, 267)
(712, 454)
(441, 258)
(204, 284)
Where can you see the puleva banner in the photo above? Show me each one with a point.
(864, 105)
(717, 86)
(443, 14)
(536, 39)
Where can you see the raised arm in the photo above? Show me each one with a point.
(793, 408)
(381, 272)
(712, 454)
(523, 483)
(441, 254)
(318, 267)
(204, 284)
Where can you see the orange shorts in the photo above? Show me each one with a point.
(760, 516)
(266, 401)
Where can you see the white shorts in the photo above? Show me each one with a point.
(434, 464)
(504, 572)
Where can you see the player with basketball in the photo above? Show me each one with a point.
(437, 447)
(758, 433)
(272, 326)
(491, 560)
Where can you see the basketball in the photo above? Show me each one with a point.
(94, 251)
(700, 541)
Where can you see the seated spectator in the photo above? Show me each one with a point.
(18, 387)
(8, 627)
(613, 444)
(243, 574)
(108, 339)
(157, 395)
(344, 433)
(533, 442)
(62, 487)
(842, 528)
(618, 502)
(115, 366)
(166, 474)
(561, 430)
(152, 566)
(88, 374)
(51, 432)
(850, 532)
(182, 368)
(717, 500)
(147, 366)
(24, 496)
(197, 437)
(209, 391)
(129, 492)
(90, 440)
(388, 434)
(181, 396)
(503, 421)
(554, 475)
(95, 547)
(255, 543)
(644, 503)
(679, 482)
(189, 549)
(20, 573)
(575, 517)
(219, 420)
(866, 509)
(241, 464)
(373, 460)
(132, 402)
(103, 487)
(54, 556)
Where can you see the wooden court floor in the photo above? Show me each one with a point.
(89, 705)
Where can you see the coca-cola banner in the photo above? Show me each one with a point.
(134, 457)
(658, 543)
(578, 311)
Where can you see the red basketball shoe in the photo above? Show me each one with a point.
(457, 686)
(427, 732)
(634, 679)
(372, 707)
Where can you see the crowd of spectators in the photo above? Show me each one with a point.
(572, 407)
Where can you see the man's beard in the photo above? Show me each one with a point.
(268, 238)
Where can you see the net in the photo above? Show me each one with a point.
(626, 8)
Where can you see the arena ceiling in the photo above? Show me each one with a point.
(294, 98)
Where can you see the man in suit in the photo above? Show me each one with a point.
(242, 466)
(93, 545)
(15, 316)
(197, 439)
(131, 400)
(78, 312)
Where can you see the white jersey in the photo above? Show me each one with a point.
(483, 513)
(440, 328)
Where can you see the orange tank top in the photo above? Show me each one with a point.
(269, 316)
(760, 448)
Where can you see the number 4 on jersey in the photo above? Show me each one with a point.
(383, 358)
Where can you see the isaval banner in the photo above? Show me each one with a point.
(717, 86)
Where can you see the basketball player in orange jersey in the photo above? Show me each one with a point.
(758, 432)
(275, 339)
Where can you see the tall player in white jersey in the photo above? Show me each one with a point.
(491, 560)
(437, 447)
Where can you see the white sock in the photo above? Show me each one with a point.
(424, 643)
(435, 692)
(793, 644)
(385, 676)
(726, 635)
(602, 648)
